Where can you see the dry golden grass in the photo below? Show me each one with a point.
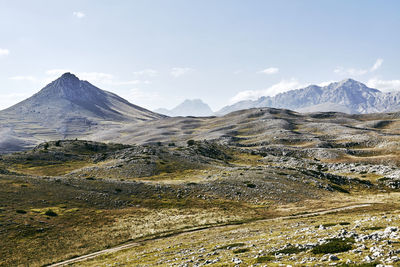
(48, 170)
(257, 239)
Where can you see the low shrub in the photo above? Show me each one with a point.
(50, 213)
(241, 250)
(334, 245)
(340, 189)
(190, 142)
(373, 228)
(289, 250)
(21, 211)
(264, 259)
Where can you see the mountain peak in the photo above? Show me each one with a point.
(348, 95)
(189, 107)
(68, 76)
(349, 82)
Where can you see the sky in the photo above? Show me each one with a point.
(157, 53)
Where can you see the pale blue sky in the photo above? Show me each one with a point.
(156, 53)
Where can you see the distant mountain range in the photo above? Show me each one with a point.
(195, 107)
(65, 108)
(71, 108)
(347, 96)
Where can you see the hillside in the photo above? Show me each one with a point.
(65, 108)
(259, 190)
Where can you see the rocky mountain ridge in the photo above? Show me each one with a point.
(347, 96)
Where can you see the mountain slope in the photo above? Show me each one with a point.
(66, 108)
(347, 96)
(195, 107)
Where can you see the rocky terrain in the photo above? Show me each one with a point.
(261, 186)
(259, 198)
(347, 96)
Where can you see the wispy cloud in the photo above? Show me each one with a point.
(4, 52)
(146, 72)
(377, 65)
(359, 72)
(384, 85)
(79, 14)
(24, 78)
(178, 72)
(282, 86)
(269, 71)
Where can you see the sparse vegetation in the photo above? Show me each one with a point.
(335, 245)
(21, 211)
(190, 142)
(50, 213)
(241, 250)
(264, 259)
(289, 250)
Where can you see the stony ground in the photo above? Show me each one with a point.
(350, 237)
(68, 198)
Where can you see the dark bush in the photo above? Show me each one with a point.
(264, 259)
(289, 250)
(21, 211)
(373, 228)
(50, 213)
(190, 142)
(250, 185)
(241, 250)
(340, 189)
(334, 245)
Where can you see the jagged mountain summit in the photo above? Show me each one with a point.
(347, 96)
(66, 108)
(189, 107)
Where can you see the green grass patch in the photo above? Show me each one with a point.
(241, 250)
(289, 250)
(339, 189)
(372, 228)
(264, 259)
(334, 245)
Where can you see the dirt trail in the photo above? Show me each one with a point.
(135, 244)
